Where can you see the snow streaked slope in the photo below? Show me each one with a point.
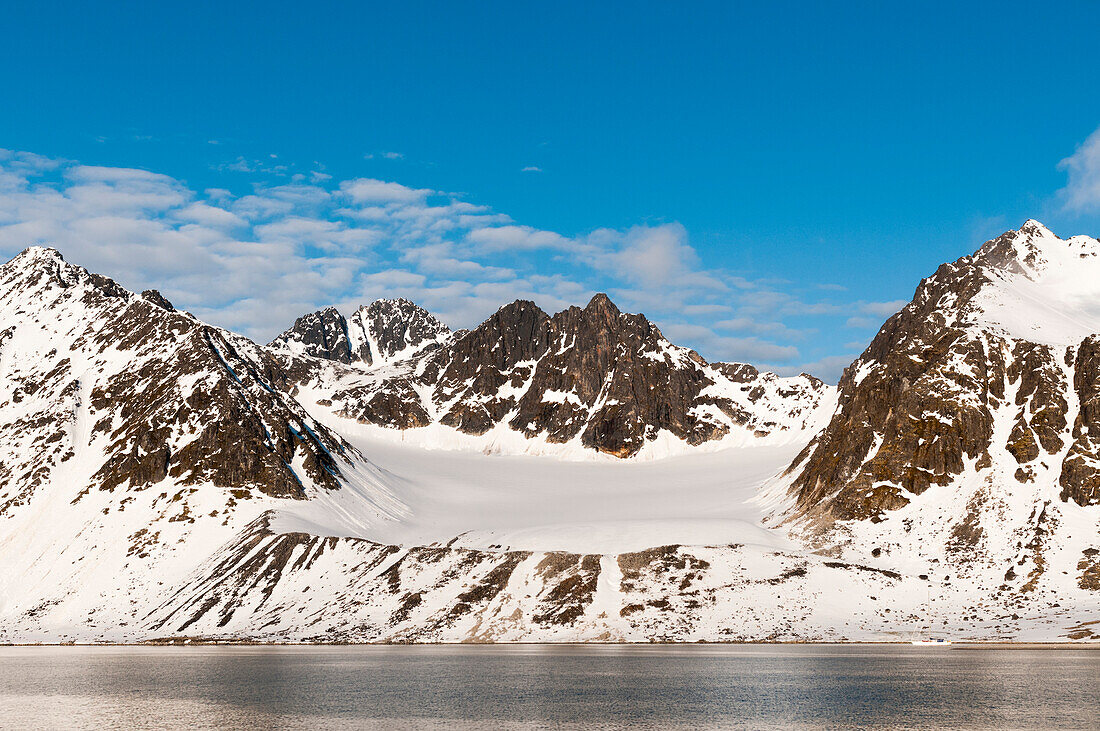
(300, 587)
(159, 468)
(164, 482)
(136, 440)
(771, 411)
(964, 447)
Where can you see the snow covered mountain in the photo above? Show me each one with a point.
(134, 438)
(581, 381)
(965, 445)
(379, 478)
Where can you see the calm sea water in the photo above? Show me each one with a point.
(538, 686)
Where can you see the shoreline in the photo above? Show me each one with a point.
(968, 644)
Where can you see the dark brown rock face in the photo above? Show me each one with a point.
(606, 378)
(392, 327)
(1080, 480)
(500, 352)
(921, 405)
(164, 396)
(593, 372)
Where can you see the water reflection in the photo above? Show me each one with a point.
(539, 686)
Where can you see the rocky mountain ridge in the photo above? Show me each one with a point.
(375, 334)
(593, 377)
(160, 392)
(964, 434)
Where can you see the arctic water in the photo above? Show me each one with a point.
(551, 686)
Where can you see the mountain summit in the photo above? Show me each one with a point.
(965, 434)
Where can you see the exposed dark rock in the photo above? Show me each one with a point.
(606, 378)
(157, 299)
(1089, 566)
(321, 334)
(395, 326)
(919, 404)
(572, 580)
(376, 332)
(1080, 479)
(194, 403)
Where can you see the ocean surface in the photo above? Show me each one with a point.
(544, 686)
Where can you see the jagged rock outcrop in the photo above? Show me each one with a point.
(136, 392)
(595, 376)
(963, 434)
(922, 404)
(382, 331)
(321, 334)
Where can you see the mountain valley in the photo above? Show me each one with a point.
(573, 476)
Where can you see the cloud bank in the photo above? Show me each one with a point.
(253, 262)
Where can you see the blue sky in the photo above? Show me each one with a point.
(767, 181)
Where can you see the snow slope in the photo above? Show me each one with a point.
(522, 502)
(1049, 294)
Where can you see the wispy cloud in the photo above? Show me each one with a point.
(881, 309)
(1082, 191)
(369, 190)
(254, 262)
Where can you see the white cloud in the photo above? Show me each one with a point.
(515, 238)
(829, 369)
(716, 347)
(328, 235)
(100, 174)
(1082, 191)
(254, 262)
(706, 309)
(861, 322)
(531, 169)
(885, 309)
(760, 327)
(370, 190)
(652, 256)
(209, 215)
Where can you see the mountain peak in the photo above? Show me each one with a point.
(44, 266)
(600, 302)
(379, 332)
(1034, 228)
(40, 252)
(1032, 249)
(389, 329)
(36, 255)
(390, 302)
(320, 334)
